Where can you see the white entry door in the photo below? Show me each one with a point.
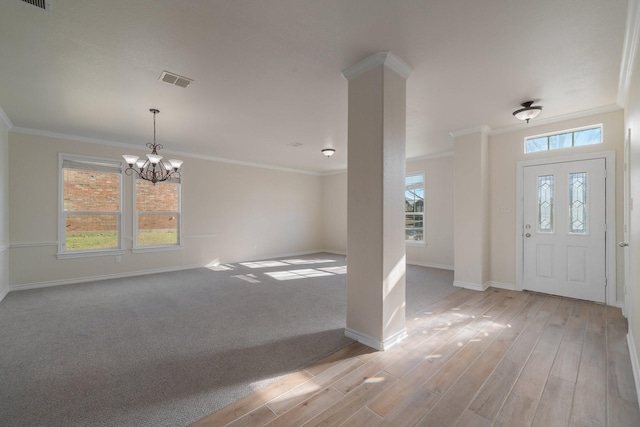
(564, 229)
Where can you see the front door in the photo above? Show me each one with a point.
(564, 229)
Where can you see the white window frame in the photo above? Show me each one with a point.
(157, 248)
(422, 242)
(572, 131)
(63, 253)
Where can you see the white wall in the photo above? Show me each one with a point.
(438, 252)
(438, 178)
(632, 122)
(4, 208)
(334, 208)
(505, 150)
(253, 213)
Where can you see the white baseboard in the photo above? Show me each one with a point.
(272, 257)
(635, 362)
(430, 265)
(63, 282)
(472, 286)
(376, 344)
(334, 251)
(500, 285)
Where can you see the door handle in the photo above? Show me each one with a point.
(623, 244)
(527, 235)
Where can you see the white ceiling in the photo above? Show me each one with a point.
(268, 73)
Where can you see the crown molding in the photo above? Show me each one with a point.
(431, 156)
(468, 131)
(5, 119)
(132, 147)
(629, 50)
(408, 160)
(381, 58)
(550, 120)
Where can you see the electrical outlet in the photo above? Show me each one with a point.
(118, 258)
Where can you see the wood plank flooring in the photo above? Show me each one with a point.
(494, 358)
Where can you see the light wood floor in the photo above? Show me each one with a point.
(494, 358)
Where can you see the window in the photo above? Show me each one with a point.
(564, 139)
(157, 214)
(414, 207)
(90, 206)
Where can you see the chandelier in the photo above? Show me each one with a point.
(153, 168)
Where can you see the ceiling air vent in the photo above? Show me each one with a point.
(42, 4)
(174, 79)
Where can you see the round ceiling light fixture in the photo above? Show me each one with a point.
(528, 111)
(328, 152)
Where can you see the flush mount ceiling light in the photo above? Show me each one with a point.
(153, 169)
(527, 112)
(328, 152)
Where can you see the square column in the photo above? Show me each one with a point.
(471, 209)
(376, 261)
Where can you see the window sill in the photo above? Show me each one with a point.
(87, 254)
(419, 244)
(157, 249)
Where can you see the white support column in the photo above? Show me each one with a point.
(471, 209)
(376, 261)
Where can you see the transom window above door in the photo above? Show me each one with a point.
(565, 139)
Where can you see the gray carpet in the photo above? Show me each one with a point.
(169, 349)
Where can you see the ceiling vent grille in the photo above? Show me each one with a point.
(174, 79)
(42, 4)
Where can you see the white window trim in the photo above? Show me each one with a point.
(158, 248)
(423, 242)
(63, 253)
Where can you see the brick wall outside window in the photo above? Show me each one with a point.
(90, 191)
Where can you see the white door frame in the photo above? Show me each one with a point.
(626, 231)
(610, 215)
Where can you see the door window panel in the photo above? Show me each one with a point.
(578, 203)
(545, 204)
